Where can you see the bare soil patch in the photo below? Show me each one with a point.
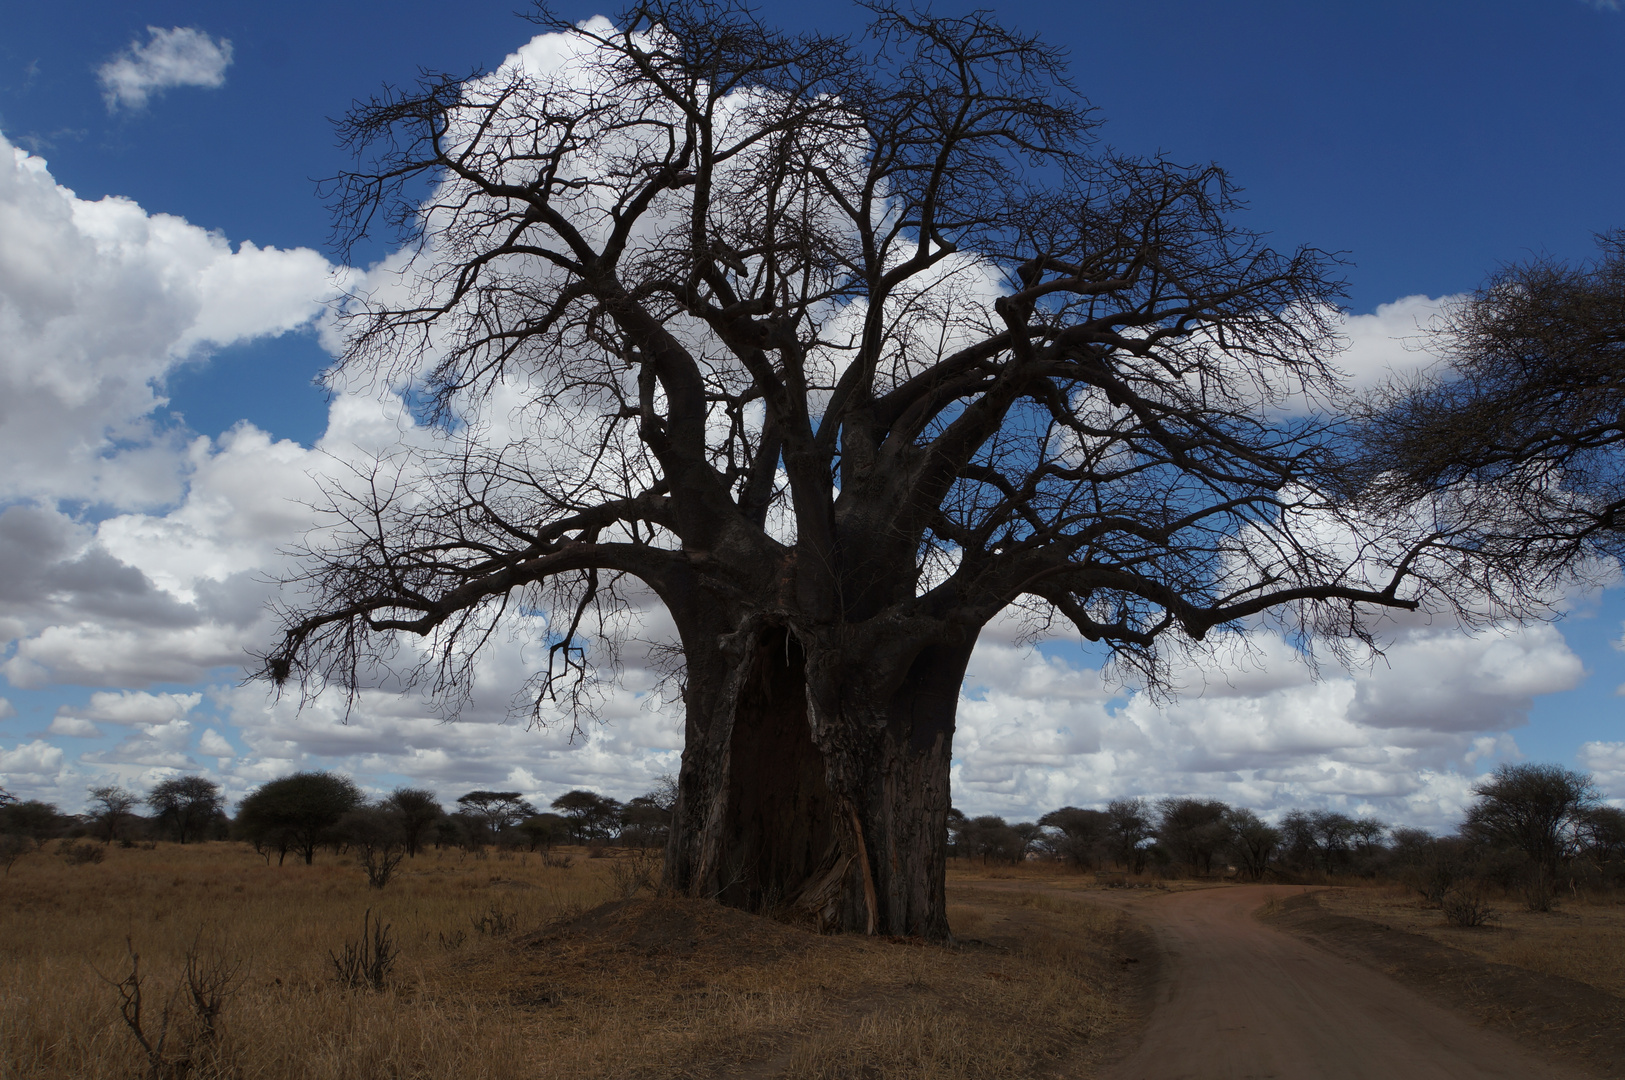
(1569, 1019)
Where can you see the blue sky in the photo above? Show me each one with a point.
(1424, 141)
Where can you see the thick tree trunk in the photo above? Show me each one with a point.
(828, 801)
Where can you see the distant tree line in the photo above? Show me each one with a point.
(304, 812)
(1531, 828)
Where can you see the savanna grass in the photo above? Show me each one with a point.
(1582, 939)
(479, 992)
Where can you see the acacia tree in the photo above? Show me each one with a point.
(1083, 833)
(1522, 425)
(110, 805)
(186, 805)
(1538, 810)
(1193, 831)
(840, 349)
(1251, 840)
(419, 810)
(495, 811)
(1128, 827)
(592, 816)
(297, 812)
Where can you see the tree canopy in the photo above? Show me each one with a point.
(186, 805)
(1538, 810)
(495, 810)
(1520, 429)
(297, 812)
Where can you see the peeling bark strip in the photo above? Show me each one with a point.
(873, 918)
(839, 348)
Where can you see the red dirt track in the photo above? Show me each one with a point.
(1237, 999)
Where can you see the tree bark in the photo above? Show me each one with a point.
(818, 786)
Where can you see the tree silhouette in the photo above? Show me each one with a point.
(1083, 833)
(840, 350)
(110, 806)
(495, 811)
(1517, 439)
(297, 812)
(419, 810)
(186, 805)
(592, 816)
(1538, 810)
(1251, 841)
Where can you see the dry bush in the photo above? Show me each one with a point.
(183, 1038)
(365, 963)
(12, 848)
(496, 920)
(637, 869)
(81, 853)
(1466, 906)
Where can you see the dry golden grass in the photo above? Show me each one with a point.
(1583, 939)
(650, 988)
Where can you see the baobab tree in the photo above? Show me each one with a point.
(840, 349)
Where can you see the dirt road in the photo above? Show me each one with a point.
(1237, 999)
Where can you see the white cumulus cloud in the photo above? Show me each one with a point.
(213, 743)
(1251, 725)
(179, 56)
(36, 764)
(133, 707)
(1606, 762)
(74, 726)
(1392, 340)
(99, 301)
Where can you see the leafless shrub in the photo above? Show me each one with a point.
(452, 940)
(131, 1007)
(1466, 907)
(380, 865)
(365, 964)
(173, 1048)
(635, 871)
(496, 921)
(1538, 891)
(210, 982)
(557, 862)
